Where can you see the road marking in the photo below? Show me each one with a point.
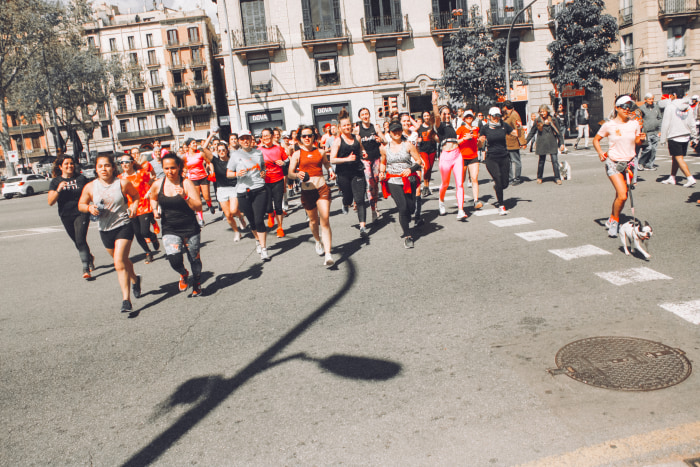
(512, 221)
(486, 212)
(630, 276)
(579, 252)
(27, 232)
(689, 311)
(538, 235)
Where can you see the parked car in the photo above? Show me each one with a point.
(24, 185)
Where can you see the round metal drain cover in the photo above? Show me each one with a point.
(624, 363)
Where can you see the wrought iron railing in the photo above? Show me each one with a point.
(376, 25)
(448, 20)
(325, 30)
(128, 135)
(625, 16)
(676, 7)
(252, 37)
(504, 16)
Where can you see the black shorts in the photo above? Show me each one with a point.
(201, 181)
(676, 148)
(110, 237)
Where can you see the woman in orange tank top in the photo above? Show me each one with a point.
(306, 165)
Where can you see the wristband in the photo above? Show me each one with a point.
(186, 197)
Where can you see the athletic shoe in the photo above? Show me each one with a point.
(363, 232)
(258, 247)
(212, 209)
(136, 287)
(149, 258)
(196, 289)
(478, 204)
(200, 222)
(461, 215)
(671, 180)
(280, 232)
(319, 249)
(290, 192)
(156, 228)
(612, 229)
(418, 222)
(263, 255)
(690, 182)
(182, 285)
(345, 209)
(374, 216)
(126, 306)
(441, 208)
(270, 220)
(469, 183)
(329, 261)
(408, 242)
(92, 263)
(640, 168)
(86, 275)
(236, 236)
(653, 167)
(156, 244)
(516, 182)
(285, 206)
(502, 211)
(607, 223)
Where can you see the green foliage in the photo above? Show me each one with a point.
(475, 65)
(579, 53)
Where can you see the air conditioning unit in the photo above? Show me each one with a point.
(326, 66)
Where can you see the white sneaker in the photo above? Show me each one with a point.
(258, 247)
(441, 208)
(461, 215)
(329, 261)
(236, 236)
(263, 254)
(670, 180)
(690, 182)
(319, 248)
(285, 206)
(502, 211)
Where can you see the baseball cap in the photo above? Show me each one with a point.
(622, 101)
(495, 111)
(327, 125)
(243, 133)
(468, 112)
(695, 97)
(395, 126)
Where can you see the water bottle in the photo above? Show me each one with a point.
(100, 207)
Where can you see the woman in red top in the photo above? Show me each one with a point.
(143, 218)
(194, 164)
(468, 136)
(315, 193)
(275, 160)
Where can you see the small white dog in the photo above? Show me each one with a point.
(565, 170)
(635, 235)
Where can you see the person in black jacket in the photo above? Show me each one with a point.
(582, 118)
(549, 139)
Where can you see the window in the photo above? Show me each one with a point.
(180, 101)
(105, 131)
(102, 112)
(675, 44)
(383, 16)
(160, 121)
(254, 24)
(149, 40)
(131, 42)
(260, 78)
(155, 78)
(133, 59)
(152, 60)
(193, 34)
(158, 99)
(327, 69)
(201, 98)
(143, 123)
(36, 143)
(140, 103)
(124, 126)
(627, 49)
(387, 63)
(177, 77)
(201, 122)
(184, 123)
(198, 76)
(172, 37)
(389, 105)
(175, 58)
(112, 44)
(196, 55)
(321, 19)
(91, 41)
(121, 103)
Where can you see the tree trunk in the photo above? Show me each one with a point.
(5, 140)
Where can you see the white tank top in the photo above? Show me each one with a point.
(110, 200)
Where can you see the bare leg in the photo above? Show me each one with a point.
(324, 208)
(680, 164)
(313, 222)
(123, 266)
(618, 181)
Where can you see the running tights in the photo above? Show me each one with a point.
(275, 194)
(177, 263)
(142, 230)
(253, 205)
(353, 187)
(372, 177)
(499, 168)
(451, 163)
(77, 229)
(406, 204)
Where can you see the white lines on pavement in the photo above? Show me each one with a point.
(538, 235)
(486, 212)
(689, 311)
(579, 252)
(630, 276)
(27, 232)
(512, 221)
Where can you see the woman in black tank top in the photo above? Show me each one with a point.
(371, 137)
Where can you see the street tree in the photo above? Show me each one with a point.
(580, 50)
(475, 64)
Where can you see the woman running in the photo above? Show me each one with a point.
(678, 128)
(427, 147)
(450, 157)
(105, 197)
(400, 167)
(371, 139)
(248, 166)
(225, 188)
(346, 154)
(66, 187)
(409, 135)
(468, 136)
(141, 222)
(549, 140)
(307, 165)
(275, 163)
(624, 134)
(497, 158)
(194, 164)
(175, 200)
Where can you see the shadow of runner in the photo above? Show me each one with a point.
(226, 387)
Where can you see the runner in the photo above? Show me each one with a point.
(371, 138)
(194, 164)
(427, 147)
(275, 165)
(141, 222)
(105, 197)
(450, 158)
(315, 193)
(468, 137)
(400, 167)
(408, 134)
(247, 165)
(175, 200)
(497, 159)
(346, 154)
(624, 134)
(66, 187)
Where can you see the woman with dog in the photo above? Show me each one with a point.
(624, 134)
(549, 140)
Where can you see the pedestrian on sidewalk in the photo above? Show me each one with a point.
(678, 128)
(582, 118)
(549, 141)
(651, 113)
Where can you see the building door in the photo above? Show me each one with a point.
(328, 113)
(254, 24)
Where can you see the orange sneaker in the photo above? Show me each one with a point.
(280, 232)
(270, 220)
(156, 228)
(183, 282)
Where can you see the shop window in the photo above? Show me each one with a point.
(675, 45)
(260, 77)
(387, 63)
(327, 69)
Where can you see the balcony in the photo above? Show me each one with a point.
(179, 87)
(388, 75)
(138, 85)
(153, 64)
(135, 135)
(627, 58)
(173, 44)
(193, 109)
(499, 20)
(140, 108)
(194, 42)
(669, 10)
(386, 27)
(261, 88)
(445, 23)
(156, 84)
(199, 84)
(625, 18)
(197, 63)
(26, 129)
(332, 32)
(267, 39)
(176, 66)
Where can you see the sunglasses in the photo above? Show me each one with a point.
(307, 135)
(125, 162)
(626, 106)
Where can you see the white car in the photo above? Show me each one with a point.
(24, 185)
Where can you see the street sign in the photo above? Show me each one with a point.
(224, 120)
(13, 156)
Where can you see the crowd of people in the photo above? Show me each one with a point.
(253, 179)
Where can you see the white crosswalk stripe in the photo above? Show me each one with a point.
(631, 276)
(486, 212)
(689, 311)
(512, 222)
(538, 235)
(579, 252)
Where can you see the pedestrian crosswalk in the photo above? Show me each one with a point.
(512, 222)
(539, 235)
(579, 252)
(632, 275)
(689, 311)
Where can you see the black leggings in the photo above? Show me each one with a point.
(353, 187)
(142, 230)
(406, 202)
(499, 168)
(275, 193)
(253, 205)
(77, 229)
(178, 264)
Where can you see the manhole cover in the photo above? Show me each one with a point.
(624, 363)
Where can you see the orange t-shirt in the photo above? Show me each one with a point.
(468, 147)
(141, 179)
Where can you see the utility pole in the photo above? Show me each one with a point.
(230, 56)
(512, 23)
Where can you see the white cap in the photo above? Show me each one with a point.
(495, 111)
(468, 112)
(695, 97)
(623, 100)
(244, 133)
(648, 95)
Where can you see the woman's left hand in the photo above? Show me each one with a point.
(405, 172)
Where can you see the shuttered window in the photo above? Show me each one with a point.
(387, 63)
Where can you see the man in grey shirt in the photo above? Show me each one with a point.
(652, 126)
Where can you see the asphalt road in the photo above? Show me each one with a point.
(432, 356)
